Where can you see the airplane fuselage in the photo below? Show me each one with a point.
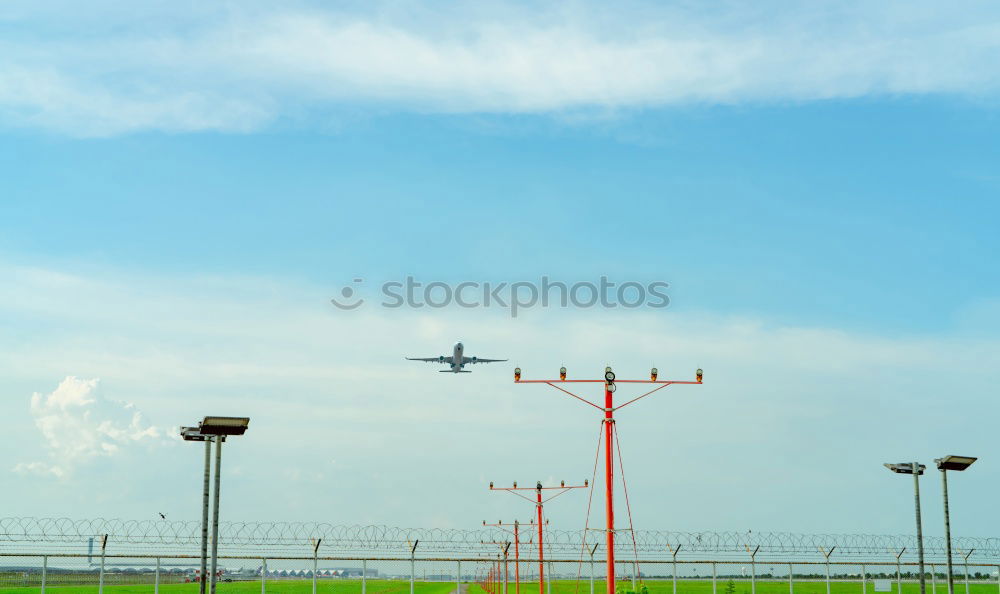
(456, 357)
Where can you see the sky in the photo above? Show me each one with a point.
(186, 186)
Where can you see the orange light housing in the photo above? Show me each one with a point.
(517, 374)
(698, 375)
(562, 373)
(652, 374)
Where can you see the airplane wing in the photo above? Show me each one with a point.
(480, 360)
(441, 359)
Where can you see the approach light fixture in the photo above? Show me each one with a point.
(652, 374)
(517, 374)
(562, 373)
(698, 374)
(609, 375)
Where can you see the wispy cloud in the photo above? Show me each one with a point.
(78, 426)
(238, 72)
(322, 384)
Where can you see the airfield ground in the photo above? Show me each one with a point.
(558, 587)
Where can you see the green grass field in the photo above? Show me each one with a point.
(381, 586)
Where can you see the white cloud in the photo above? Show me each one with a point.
(321, 384)
(237, 72)
(77, 426)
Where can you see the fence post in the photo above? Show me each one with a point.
(714, 590)
(753, 569)
(675, 574)
(635, 574)
(505, 571)
(413, 566)
(966, 561)
(458, 580)
(592, 569)
(45, 569)
(364, 574)
(316, 562)
(933, 579)
(791, 585)
(156, 578)
(548, 577)
(263, 576)
(827, 555)
(864, 580)
(674, 552)
(100, 582)
(899, 577)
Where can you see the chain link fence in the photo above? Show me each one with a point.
(289, 558)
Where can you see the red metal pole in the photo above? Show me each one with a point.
(541, 548)
(517, 558)
(609, 486)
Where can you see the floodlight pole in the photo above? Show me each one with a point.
(204, 517)
(215, 511)
(915, 466)
(608, 420)
(947, 530)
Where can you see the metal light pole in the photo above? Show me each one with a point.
(944, 465)
(608, 419)
(213, 429)
(916, 469)
(193, 434)
(539, 504)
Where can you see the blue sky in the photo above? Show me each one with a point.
(185, 189)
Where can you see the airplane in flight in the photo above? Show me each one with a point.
(457, 360)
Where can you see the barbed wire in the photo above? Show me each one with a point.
(171, 535)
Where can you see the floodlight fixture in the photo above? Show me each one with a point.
(224, 425)
(905, 468)
(193, 434)
(954, 462)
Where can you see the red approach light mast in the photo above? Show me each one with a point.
(539, 504)
(516, 531)
(608, 409)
